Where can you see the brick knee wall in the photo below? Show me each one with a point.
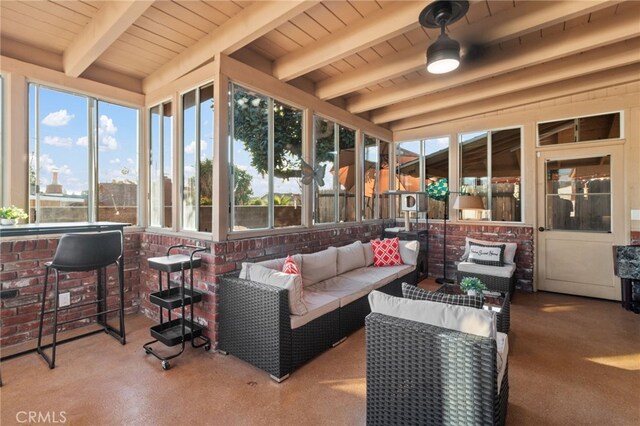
(22, 273)
(635, 237)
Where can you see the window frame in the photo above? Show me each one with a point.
(161, 133)
(595, 114)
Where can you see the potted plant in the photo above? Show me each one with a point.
(11, 215)
(472, 286)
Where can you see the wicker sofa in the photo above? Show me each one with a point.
(255, 324)
(433, 374)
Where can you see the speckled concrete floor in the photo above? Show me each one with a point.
(572, 361)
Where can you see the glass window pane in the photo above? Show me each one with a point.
(408, 166)
(250, 159)
(505, 175)
(190, 161)
(436, 164)
(473, 169)
(581, 129)
(287, 165)
(62, 185)
(155, 168)
(347, 174)
(206, 158)
(578, 193)
(383, 179)
(371, 178)
(324, 159)
(117, 139)
(167, 163)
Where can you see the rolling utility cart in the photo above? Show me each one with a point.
(176, 331)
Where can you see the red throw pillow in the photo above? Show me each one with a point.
(290, 266)
(386, 252)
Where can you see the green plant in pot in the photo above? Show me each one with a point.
(473, 286)
(11, 215)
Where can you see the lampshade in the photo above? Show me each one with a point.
(468, 202)
(443, 56)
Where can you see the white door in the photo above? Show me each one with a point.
(580, 217)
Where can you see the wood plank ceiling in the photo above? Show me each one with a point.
(366, 56)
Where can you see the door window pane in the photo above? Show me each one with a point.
(167, 163)
(578, 193)
(581, 129)
(117, 137)
(473, 169)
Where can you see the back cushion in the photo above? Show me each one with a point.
(409, 252)
(509, 249)
(350, 257)
(386, 252)
(415, 293)
(368, 254)
(489, 255)
(293, 283)
(319, 266)
(480, 322)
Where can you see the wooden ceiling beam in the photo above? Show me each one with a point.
(248, 25)
(113, 19)
(566, 68)
(585, 37)
(395, 19)
(406, 128)
(505, 25)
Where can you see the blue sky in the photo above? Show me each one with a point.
(63, 127)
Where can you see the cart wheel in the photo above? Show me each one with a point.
(166, 365)
(147, 351)
(207, 347)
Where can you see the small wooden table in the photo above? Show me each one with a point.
(495, 301)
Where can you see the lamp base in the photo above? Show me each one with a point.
(443, 280)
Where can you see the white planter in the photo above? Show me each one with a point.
(8, 221)
(472, 292)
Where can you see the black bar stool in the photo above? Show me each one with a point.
(85, 252)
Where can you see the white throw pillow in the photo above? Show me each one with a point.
(319, 266)
(350, 257)
(291, 282)
(462, 318)
(368, 254)
(509, 249)
(409, 252)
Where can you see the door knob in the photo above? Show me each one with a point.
(541, 229)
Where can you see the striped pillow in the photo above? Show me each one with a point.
(415, 293)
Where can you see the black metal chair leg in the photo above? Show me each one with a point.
(44, 300)
(52, 364)
(120, 265)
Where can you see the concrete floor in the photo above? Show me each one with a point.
(572, 361)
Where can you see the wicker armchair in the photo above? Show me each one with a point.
(419, 374)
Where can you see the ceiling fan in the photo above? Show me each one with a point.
(444, 54)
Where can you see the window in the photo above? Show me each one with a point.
(197, 144)
(581, 129)
(335, 155)
(73, 139)
(490, 167)
(266, 162)
(2, 140)
(375, 203)
(160, 173)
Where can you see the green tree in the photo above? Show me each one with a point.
(242, 191)
(282, 200)
(206, 182)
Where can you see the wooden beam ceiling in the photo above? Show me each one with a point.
(111, 21)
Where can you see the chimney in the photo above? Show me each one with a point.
(54, 187)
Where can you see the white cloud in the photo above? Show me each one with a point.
(189, 171)
(106, 134)
(130, 161)
(114, 161)
(57, 141)
(191, 148)
(82, 141)
(58, 118)
(108, 143)
(106, 125)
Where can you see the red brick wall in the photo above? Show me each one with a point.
(22, 269)
(228, 256)
(456, 234)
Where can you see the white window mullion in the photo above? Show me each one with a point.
(270, 159)
(92, 150)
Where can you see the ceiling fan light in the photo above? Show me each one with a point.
(443, 55)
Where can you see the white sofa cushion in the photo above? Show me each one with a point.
(509, 249)
(319, 266)
(409, 252)
(502, 345)
(377, 277)
(318, 304)
(293, 283)
(505, 271)
(368, 254)
(344, 289)
(467, 320)
(350, 257)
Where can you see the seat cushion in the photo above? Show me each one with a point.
(509, 251)
(505, 271)
(344, 289)
(502, 344)
(461, 318)
(415, 293)
(317, 304)
(376, 277)
(319, 266)
(350, 257)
